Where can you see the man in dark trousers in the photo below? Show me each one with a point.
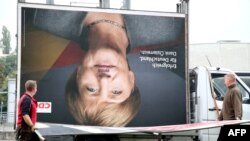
(27, 114)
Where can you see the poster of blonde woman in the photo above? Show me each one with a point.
(105, 67)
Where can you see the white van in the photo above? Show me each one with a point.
(207, 90)
(245, 76)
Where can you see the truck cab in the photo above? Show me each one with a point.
(245, 76)
(207, 91)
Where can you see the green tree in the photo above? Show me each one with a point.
(8, 69)
(5, 41)
(3, 97)
(3, 102)
(10, 65)
(2, 77)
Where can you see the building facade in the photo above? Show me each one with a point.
(233, 55)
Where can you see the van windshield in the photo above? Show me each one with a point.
(220, 88)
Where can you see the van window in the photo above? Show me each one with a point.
(246, 80)
(220, 88)
(245, 77)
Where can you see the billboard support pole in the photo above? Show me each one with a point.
(104, 3)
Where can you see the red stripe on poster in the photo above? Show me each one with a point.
(72, 54)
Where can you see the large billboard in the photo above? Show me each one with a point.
(104, 67)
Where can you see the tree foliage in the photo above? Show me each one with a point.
(3, 97)
(8, 69)
(2, 77)
(8, 66)
(5, 41)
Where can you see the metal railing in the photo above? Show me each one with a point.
(7, 121)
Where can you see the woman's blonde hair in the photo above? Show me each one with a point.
(104, 114)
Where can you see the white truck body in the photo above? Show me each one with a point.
(204, 84)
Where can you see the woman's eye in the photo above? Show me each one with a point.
(92, 90)
(116, 92)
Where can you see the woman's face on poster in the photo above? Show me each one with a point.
(104, 76)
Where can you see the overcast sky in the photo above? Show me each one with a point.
(209, 20)
(8, 12)
(213, 20)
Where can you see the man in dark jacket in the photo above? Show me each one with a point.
(232, 104)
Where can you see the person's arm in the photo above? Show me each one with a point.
(237, 103)
(29, 122)
(220, 116)
(26, 107)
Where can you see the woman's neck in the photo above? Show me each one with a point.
(106, 30)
